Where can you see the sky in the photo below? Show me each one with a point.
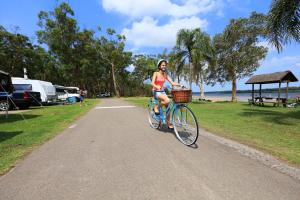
(150, 26)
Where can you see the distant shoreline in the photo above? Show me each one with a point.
(242, 96)
(268, 90)
(221, 98)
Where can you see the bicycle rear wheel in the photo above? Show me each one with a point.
(185, 125)
(154, 119)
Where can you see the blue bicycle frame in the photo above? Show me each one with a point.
(183, 119)
(161, 117)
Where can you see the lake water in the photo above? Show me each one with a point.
(245, 96)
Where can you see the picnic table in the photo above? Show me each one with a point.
(261, 101)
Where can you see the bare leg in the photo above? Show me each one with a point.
(156, 108)
(164, 100)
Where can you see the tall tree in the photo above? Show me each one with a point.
(114, 54)
(59, 31)
(185, 43)
(237, 53)
(16, 52)
(203, 55)
(284, 22)
(145, 65)
(45, 67)
(175, 66)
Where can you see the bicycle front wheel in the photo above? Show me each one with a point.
(154, 119)
(185, 125)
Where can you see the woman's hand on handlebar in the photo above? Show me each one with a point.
(180, 86)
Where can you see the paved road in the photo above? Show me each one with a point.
(113, 154)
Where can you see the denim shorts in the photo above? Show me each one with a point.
(81, 98)
(157, 93)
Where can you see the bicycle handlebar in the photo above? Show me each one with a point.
(169, 87)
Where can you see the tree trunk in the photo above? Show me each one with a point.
(201, 87)
(190, 75)
(114, 79)
(191, 68)
(233, 98)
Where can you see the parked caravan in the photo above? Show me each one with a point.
(64, 92)
(47, 90)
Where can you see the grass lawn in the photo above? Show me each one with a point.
(272, 129)
(19, 137)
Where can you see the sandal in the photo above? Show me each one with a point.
(171, 127)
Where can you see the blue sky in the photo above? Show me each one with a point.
(151, 25)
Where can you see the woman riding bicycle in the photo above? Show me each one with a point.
(158, 79)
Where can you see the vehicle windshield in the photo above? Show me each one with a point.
(72, 91)
(60, 90)
(22, 86)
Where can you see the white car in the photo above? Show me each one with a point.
(103, 94)
(64, 92)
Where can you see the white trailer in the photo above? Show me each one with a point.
(47, 90)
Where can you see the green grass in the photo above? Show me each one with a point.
(272, 129)
(19, 137)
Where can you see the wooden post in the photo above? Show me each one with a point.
(252, 93)
(278, 100)
(260, 90)
(287, 91)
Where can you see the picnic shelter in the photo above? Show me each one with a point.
(277, 77)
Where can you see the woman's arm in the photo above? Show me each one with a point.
(153, 80)
(172, 83)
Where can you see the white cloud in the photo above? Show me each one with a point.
(277, 63)
(147, 32)
(155, 23)
(286, 61)
(158, 8)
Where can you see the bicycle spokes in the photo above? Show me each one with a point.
(154, 119)
(185, 125)
(184, 121)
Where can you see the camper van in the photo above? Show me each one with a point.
(47, 90)
(64, 92)
(73, 92)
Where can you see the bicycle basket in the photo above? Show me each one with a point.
(182, 96)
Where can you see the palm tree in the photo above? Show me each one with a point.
(284, 22)
(184, 46)
(203, 55)
(176, 65)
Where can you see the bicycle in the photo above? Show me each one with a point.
(183, 119)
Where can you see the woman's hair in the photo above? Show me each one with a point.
(160, 62)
